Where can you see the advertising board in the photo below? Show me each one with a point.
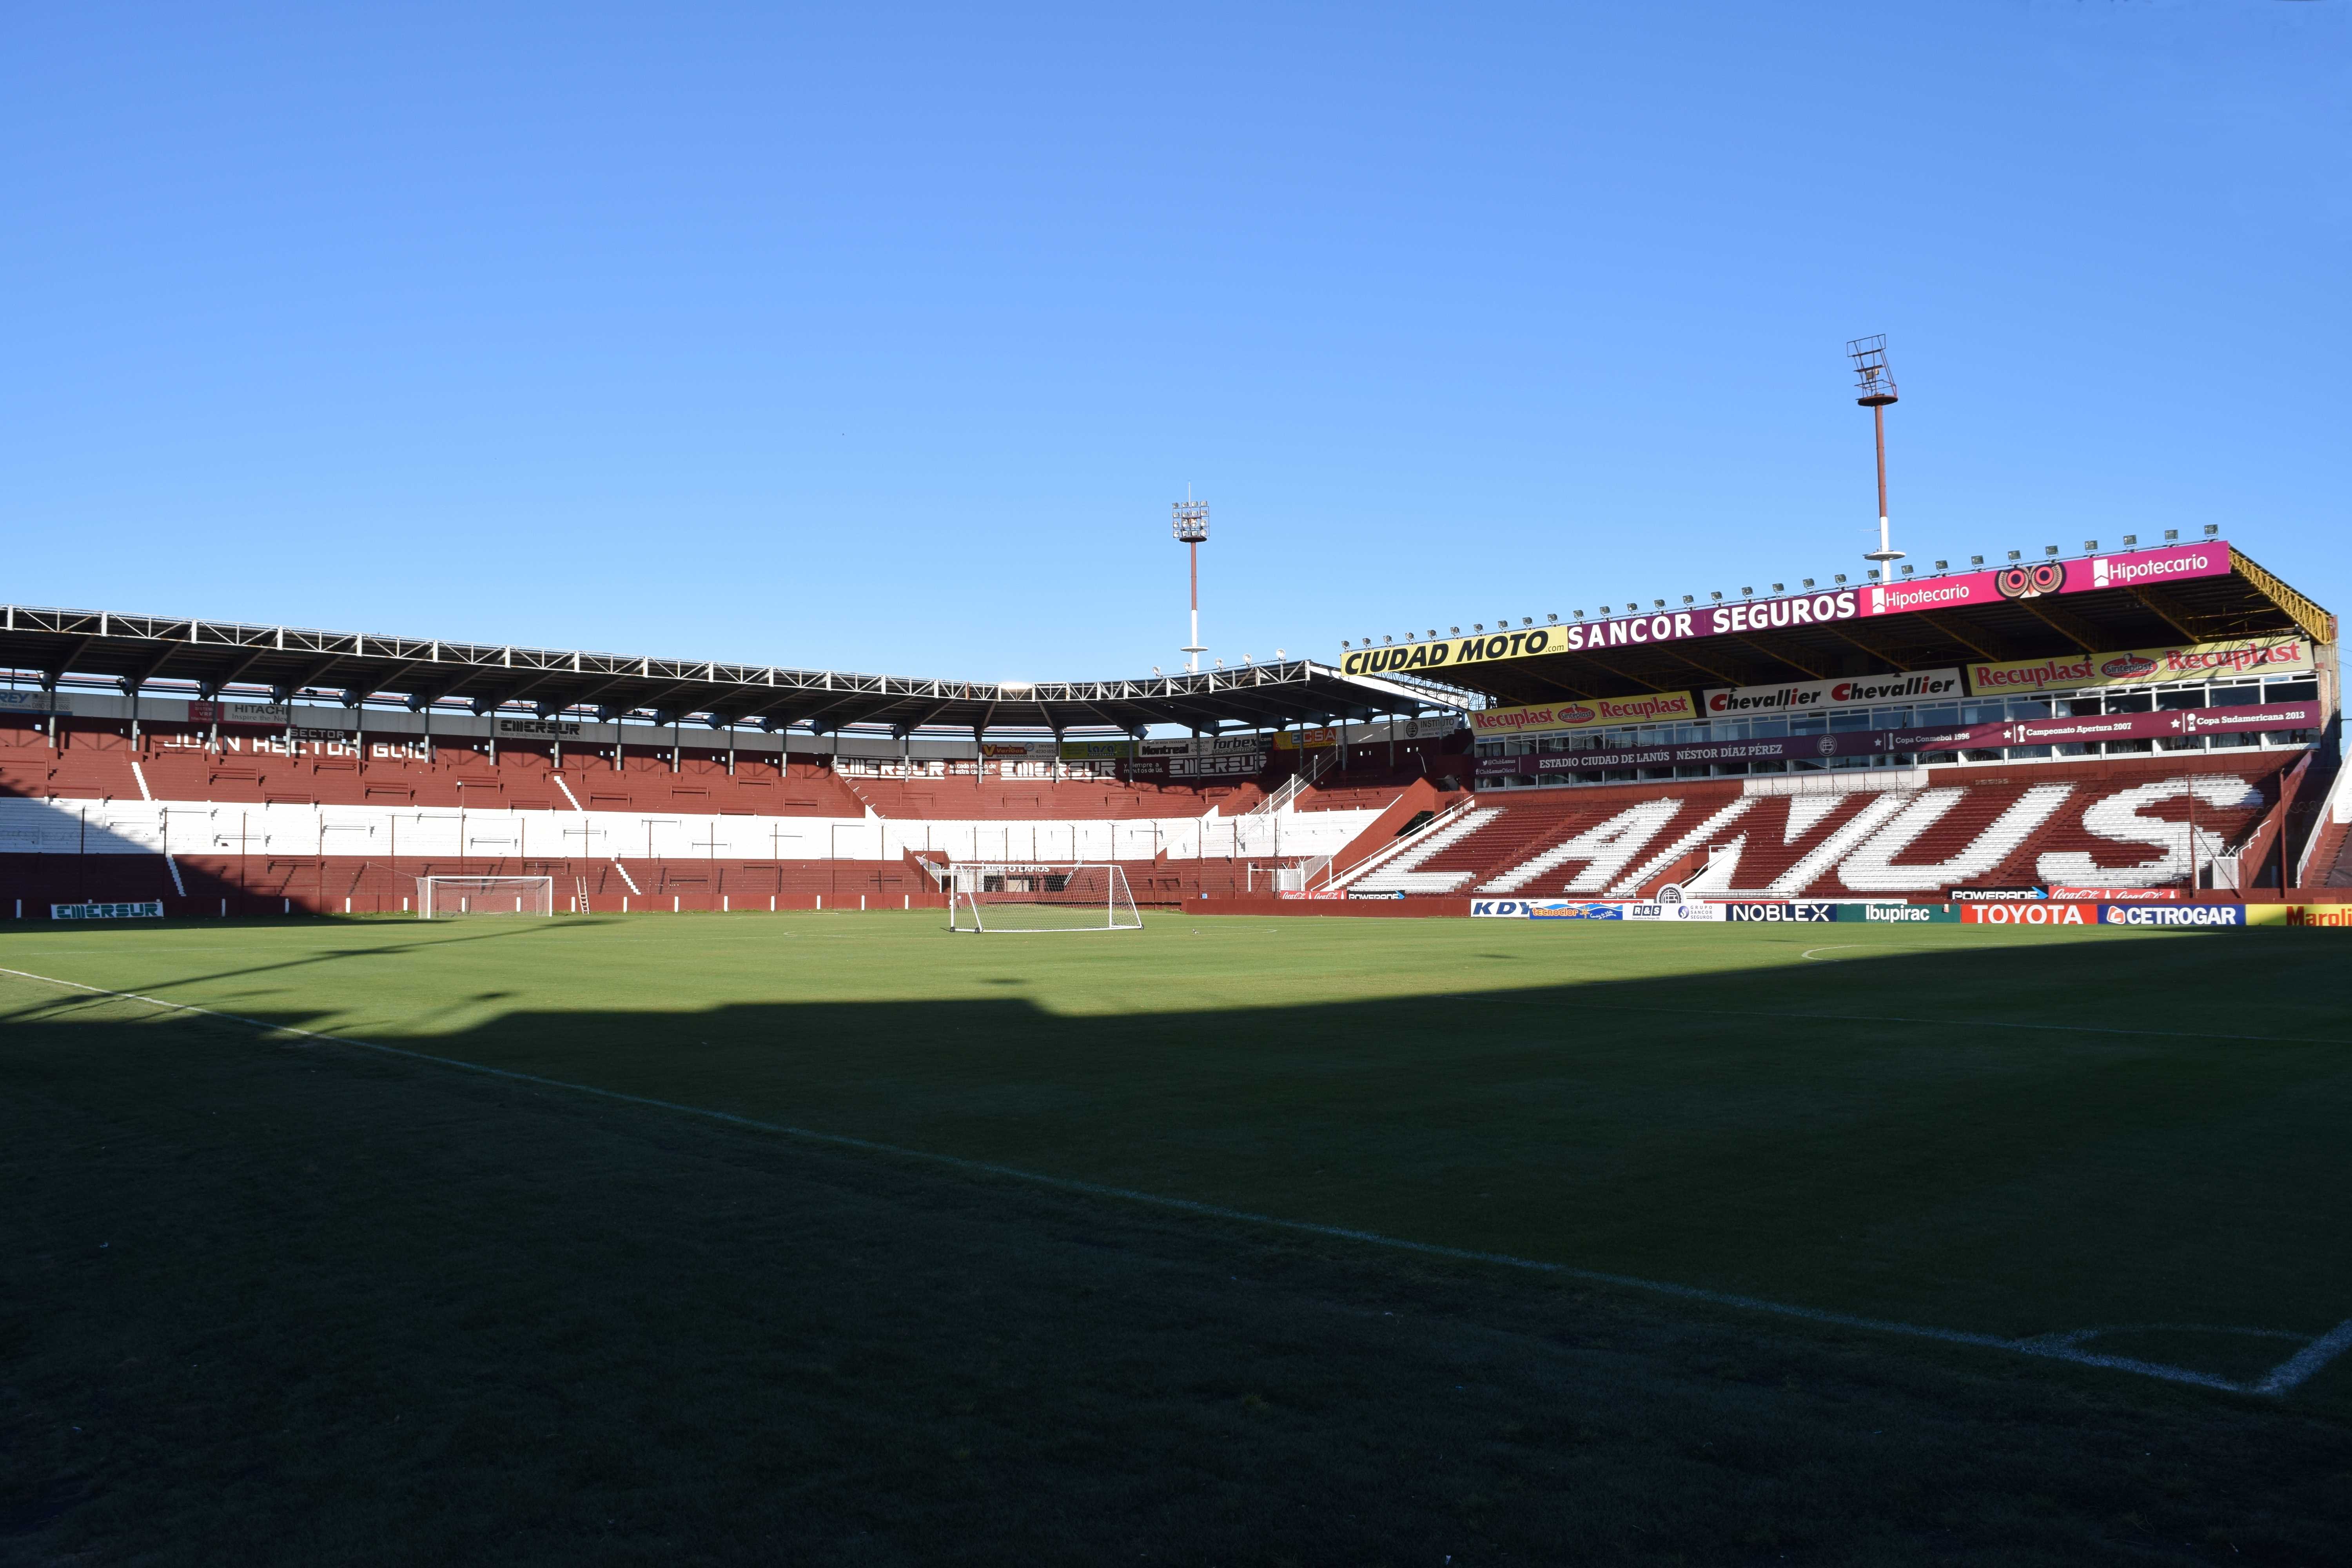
(1097, 751)
(34, 701)
(1306, 739)
(1583, 713)
(2026, 580)
(2143, 666)
(1230, 765)
(1997, 895)
(2118, 895)
(549, 729)
(1681, 911)
(2196, 917)
(1901, 914)
(2041, 914)
(274, 713)
(2156, 725)
(1771, 913)
(151, 909)
(1808, 696)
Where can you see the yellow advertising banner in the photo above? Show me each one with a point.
(1305, 740)
(1410, 657)
(2143, 666)
(1583, 713)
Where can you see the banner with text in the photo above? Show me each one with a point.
(1583, 713)
(2172, 562)
(2145, 666)
(2184, 721)
(1806, 696)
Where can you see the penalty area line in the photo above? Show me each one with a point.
(2282, 1378)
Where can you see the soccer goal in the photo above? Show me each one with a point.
(986, 896)
(445, 897)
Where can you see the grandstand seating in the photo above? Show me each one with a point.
(1914, 834)
(2086, 824)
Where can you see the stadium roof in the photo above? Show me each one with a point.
(2033, 609)
(160, 653)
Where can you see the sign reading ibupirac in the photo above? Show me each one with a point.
(1582, 713)
(2145, 666)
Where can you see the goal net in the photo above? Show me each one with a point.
(443, 898)
(1066, 896)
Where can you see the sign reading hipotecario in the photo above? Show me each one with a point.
(2032, 579)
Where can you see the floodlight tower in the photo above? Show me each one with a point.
(1192, 528)
(1876, 378)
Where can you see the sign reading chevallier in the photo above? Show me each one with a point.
(1583, 713)
(2143, 666)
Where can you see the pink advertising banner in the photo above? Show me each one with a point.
(2034, 579)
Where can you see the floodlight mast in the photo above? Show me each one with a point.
(1876, 378)
(1191, 527)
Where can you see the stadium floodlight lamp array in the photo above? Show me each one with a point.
(446, 898)
(1875, 378)
(1191, 529)
(1039, 896)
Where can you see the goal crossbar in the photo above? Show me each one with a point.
(1039, 896)
(445, 897)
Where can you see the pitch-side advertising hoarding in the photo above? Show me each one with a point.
(2157, 916)
(2171, 563)
(2187, 916)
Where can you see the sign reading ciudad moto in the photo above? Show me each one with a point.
(2172, 563)
(1583, 713)
(2145, 666)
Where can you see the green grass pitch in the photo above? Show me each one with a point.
(279, 1297)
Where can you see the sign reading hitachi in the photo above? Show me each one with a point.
(1725, 701)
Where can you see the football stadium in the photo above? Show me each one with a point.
(1363, 1108)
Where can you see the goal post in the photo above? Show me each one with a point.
(445, 898)
(1030, 896)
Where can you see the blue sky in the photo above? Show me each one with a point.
(881, 337)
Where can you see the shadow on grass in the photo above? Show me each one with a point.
(298, 1302)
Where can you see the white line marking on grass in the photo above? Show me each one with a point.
(2280, 1379)
(2299, 1367)
(1833, 947)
